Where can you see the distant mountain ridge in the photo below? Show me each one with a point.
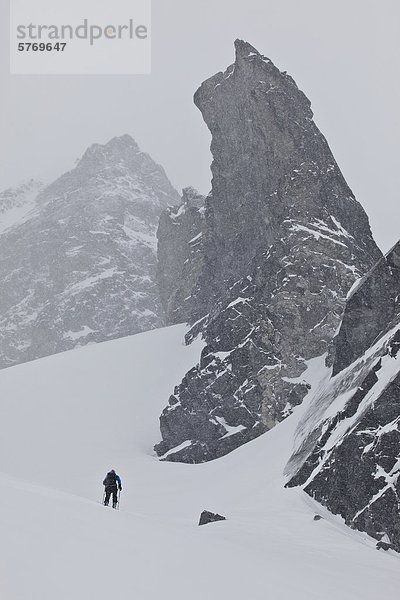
(81, 266)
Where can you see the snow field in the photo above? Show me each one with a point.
(67, 419)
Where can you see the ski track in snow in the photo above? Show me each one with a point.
(67, 419)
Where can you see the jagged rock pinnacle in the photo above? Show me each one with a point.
(282, 242)
(243, 49)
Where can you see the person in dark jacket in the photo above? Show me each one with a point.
(112, 483)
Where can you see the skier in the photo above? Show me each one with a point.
(112, 482)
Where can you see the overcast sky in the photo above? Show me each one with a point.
(344, 54)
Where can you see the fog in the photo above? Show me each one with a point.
(343, 55)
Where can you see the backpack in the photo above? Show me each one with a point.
(111, 479)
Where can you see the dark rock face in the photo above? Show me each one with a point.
(283, 241)
(80, 267)
(352, 466)
(180, 256)
(384, 546)
(370, 311)
(209, 517)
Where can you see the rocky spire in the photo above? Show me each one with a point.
(283, 241)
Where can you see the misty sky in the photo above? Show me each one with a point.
(344, 54)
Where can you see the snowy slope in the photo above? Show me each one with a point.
(65, 420)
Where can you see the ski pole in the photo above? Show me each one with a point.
(119, 496)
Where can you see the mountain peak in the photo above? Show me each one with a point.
(117, 146)
(244, 50)
(122, 141)
(98, 224)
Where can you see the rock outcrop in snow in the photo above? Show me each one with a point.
(350, 458)
(81, 265)
(207, 517)
(283, 241)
